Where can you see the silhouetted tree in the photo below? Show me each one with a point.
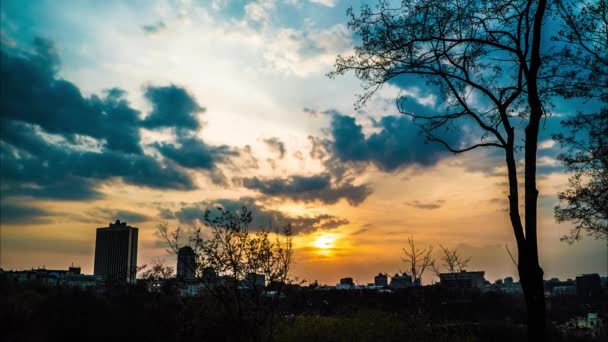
(453, 262)
(417, 261)
(229, 257)
(485, 59)
(585, 201)
(156, 274)
(583, 72)
(581, 68)
(157, 271)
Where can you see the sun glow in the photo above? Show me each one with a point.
(325, 241)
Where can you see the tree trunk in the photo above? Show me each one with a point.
(530, 272)
(531, 277)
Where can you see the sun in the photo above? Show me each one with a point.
(325, 241)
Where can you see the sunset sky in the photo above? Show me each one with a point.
(152, 111)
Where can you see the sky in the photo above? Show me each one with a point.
(153, 111)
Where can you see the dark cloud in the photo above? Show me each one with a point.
(363, 229)
(14, 213)
(154, 28)
(397, 145)
(166, 213)
(32, 93)
(276, 145)
(426, 205)
(262, 217)
(34, 167)
(194, 153)
(100, 215)
(309, 189)
(55, 143)
(172, 106)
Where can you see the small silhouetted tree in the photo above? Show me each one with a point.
(452, 261)
(156, 274)
(229, 255)
(417, 260)
(485, 60)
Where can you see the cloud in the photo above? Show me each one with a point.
(276, 145)
(173, 106)
(101, 214)
(154, 28)
(14, 213)
(428, 205)
(309, 189)
(194, 153)
(397, 145)
(328, 3)
(56, 143)
(32, 93)
(262, 217)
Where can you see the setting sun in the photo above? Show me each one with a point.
(325, 241)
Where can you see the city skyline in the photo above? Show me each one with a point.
(229, 104)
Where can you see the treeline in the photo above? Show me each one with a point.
(31, 312)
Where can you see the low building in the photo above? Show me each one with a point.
(347, 281)
(381, 280)
(463, 279)
(401, 281)
(564, 290)
(255, 280)
(69, 277)
(191, 288)
(588, 285)
(83, 281)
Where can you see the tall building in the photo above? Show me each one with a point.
(186, 263)
(116, 253)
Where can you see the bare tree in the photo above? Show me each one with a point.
(156, 274)
(417, 261)
(453, 262)
(230, 261)
(583, 73)
(485, 60)
(585, 201)
(581, 69)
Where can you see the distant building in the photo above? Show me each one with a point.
(463, 279)
(347, 281)
(116, 253)
(564, 290)
(209, 275)
(588, 285)
(401, 281)
(381, 280)
(186, 264)
(255, 280)
(70, 277)
(508, 281)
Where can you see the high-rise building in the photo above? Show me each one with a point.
(186, 263)
(116, 253)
